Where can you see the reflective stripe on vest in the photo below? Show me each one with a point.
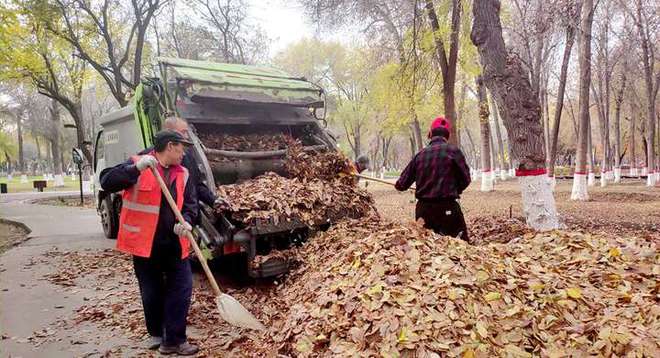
(130, 228)
(132, 205)
(140, 211)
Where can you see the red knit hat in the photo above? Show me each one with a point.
(440, 122)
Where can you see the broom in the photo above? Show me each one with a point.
(229, 308)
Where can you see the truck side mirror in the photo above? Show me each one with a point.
(77, 156)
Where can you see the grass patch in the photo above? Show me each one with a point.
(15, 186)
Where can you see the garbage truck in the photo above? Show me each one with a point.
(218, 98)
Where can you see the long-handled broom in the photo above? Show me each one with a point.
(229, 308)
(366, 177)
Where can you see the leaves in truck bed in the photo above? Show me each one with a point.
(313, 202)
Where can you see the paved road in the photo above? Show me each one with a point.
(32, 195)
(27, 302)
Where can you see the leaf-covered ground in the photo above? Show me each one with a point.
(629, 207)
(389, 287)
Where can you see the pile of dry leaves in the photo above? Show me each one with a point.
(375, 288)
(245, 143)
(318, 189)
(275, 198)
(492, 229)
(383, 289)
(323, 165)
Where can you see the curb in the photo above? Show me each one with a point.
(17, 223)
(27, 229)
(66, 196)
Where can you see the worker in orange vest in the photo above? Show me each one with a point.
(149, 231)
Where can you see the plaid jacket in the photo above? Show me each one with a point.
(439, 170)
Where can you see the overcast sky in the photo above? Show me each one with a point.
(283, 21)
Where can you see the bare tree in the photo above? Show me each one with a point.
(584, 131)
(386, 22)
(617, 126)
(506, 79)
(447, 62)
(115, 52)
(571, 13)
(504, 165)
(55, 138)
(235, 39)
(646, 25)
(486, 167)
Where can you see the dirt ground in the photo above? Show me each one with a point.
(10, 235)
(629, 207)
(72, 201)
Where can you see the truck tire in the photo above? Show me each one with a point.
(109, 218)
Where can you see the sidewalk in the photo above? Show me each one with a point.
(30, 304)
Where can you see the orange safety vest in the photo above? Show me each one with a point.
(140, 209)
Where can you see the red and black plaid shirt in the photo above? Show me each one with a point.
(439, 170)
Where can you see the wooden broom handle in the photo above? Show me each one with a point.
(198, 252)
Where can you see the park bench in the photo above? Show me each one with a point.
(39, 184)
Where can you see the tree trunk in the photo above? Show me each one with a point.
(504, 165)
(590, 160)
(633, 151)
(617, 130)
(417, 133)
(55, 143)
(521, 113)
(38, 144)
(447, 64)
(19, 133)
(546, 120)
(559, 106)
(651, 92)
(473, 147)
(49, 155)
(486, 168)
(461, 110)
(584, 131)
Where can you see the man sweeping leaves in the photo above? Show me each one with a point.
(441, 174)
(149, 231)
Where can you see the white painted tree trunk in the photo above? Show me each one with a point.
(553, 182)
(10, 177)
(650, 178)
(538, 202)
(603, 180)
(503, 175)
(512, 172)
(494, 174)
(644, 171)
(59, 180)
(579, 191)
(87, 186)
(487, 181)
(617, 175)
(592, 179)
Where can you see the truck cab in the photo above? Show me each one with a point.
(219, 99)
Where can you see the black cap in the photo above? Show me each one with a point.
(166, 136)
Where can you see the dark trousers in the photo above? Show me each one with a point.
(443, 217)
(166, 289)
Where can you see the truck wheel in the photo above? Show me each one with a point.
(109, 218)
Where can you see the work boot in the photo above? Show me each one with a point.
(183, 349)
(152, 342)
